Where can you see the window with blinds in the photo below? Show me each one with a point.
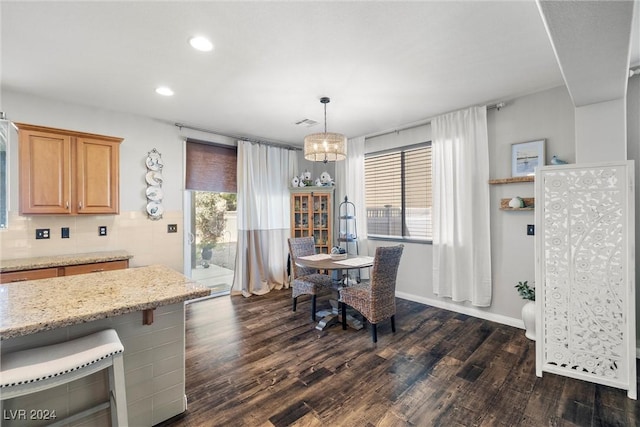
(398, 193)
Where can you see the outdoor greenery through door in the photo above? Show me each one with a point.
(213, 249)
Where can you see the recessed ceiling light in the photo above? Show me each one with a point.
(164, 91)
(201, 43)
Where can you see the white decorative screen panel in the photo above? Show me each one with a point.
(585, 273)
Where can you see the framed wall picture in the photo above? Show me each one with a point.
(526, 156)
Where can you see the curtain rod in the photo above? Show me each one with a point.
(242, 138)
(496, 106)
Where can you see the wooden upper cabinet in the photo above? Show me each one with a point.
(97, 176)
(45, 172)
(67, 172)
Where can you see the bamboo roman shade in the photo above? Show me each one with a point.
(211, 167)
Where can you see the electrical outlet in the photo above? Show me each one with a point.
(42, 233)
(64, 232)
(102, 230)
(172, 228)
(531, 230)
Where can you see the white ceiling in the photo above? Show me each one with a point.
(384, 64)
(591, 40)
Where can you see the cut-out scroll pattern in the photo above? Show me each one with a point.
(584, 287)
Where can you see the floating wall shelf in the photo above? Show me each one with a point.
(529, 203)
(512, 180)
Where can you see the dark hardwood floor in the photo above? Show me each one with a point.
(253, 362)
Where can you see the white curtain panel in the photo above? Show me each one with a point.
(461, 230)
(350, 182)
(263, 218)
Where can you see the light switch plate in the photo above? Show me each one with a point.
(531, 229)
(64, 232)
(172, 228)
(102, 230)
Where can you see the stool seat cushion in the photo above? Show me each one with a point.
(37, 364)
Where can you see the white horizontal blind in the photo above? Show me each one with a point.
(417, 179)
(398, 193)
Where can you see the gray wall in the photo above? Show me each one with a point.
(547, 114)
(141, 134)
(633, 152)
(131, 230)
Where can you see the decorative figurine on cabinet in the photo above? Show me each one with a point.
(326, 180)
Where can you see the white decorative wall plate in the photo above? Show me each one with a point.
(154, 161)
(154, 193)
(154, 178)
(155, 210)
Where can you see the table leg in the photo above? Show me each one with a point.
(332, 317)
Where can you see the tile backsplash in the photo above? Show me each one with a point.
(147, 240)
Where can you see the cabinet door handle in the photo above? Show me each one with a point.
(67, 205)
(22, 279)
(97, 270)
(80, 205)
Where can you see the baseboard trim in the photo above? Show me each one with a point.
(471, 311)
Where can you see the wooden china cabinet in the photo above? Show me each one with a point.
(312, 215)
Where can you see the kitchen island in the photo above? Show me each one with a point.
(144, 305)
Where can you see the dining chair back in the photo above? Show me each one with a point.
(306, 281)
(376, 300)
(299, 247)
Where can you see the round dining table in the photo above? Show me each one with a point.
(328, 263)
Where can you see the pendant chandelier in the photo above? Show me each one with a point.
(326, 146)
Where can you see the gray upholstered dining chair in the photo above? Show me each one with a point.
(306, 281)
(375, 300)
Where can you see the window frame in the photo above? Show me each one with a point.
(401, 150)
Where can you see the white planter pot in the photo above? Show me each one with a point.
(529, 319)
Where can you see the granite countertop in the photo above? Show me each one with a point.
(21, 264)
(39, 305)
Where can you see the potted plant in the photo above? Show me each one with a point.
(206, 253)
(529, 309)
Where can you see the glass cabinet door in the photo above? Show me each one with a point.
(312, 215)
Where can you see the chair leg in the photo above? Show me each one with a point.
(344, 316)
(313, 308)
(295, 302)
(374, 332)
(393, 323)
(118, 394)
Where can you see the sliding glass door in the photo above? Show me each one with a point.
(212, 239)
(210, 214)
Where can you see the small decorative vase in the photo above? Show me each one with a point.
(516, 202)
(529, 319)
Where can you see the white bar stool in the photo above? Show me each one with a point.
(29, 371)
